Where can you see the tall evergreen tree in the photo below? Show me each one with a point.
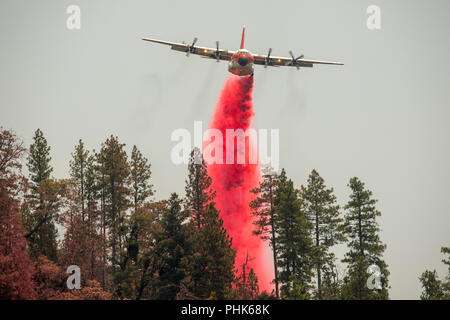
(42, 211)
(366, 248)
(140, 191)
(97, 179)
(78, 168)
(114, 169)
(322, 211)
(39, 159)
(93, 219)
(294, 239)
(140, 174)
(82, 245)
(213, 264)
(40, 215)
(198, 192)
(263, 208)
(148, 261)
(81, 242)
(174, 249)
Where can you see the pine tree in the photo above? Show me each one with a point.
(294, 241)
(247, 282)
(174, 249)
(253, 287)
(433, 287)
(198, 192)
(366, 248)
(93, 221)
(322, 211)
(148, 262)
(263, 209)
(113, 166)
(44, 201)
(82, 240)
(97, 180)
(140, 174)
(446, 250)
(39, 216)
(39, 159)
(15, 264)
(212, 268)
(141, 190)
(446, 284)
(131, 278)
(78, 172)
(331, 282)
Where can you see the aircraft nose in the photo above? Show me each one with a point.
(243, 60)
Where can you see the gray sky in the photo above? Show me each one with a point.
(382, 117)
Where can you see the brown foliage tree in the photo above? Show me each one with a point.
(15, 265)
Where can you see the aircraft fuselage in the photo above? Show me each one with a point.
(241, 63)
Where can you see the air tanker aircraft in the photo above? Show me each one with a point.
(241, 61)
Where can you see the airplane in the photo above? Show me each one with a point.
(242, 61)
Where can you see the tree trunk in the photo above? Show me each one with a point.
(319, 275)
(273, 239)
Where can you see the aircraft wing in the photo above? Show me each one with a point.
(211, 53)
(288, 62)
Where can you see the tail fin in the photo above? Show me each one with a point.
(243, 38)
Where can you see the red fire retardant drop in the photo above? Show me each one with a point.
(233, 182)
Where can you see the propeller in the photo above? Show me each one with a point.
(191, 47)
(294, 60)
(268, 60)
(217, 54)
